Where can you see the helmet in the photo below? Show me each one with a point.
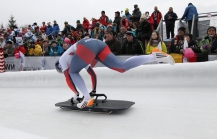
(58, 67)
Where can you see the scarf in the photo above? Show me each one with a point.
(155, 42)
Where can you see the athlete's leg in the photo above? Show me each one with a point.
(93, 77)
(111, 61)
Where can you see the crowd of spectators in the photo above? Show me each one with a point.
(127, 34)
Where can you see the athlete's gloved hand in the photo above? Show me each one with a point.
(58, 67)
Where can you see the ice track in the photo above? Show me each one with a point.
(171, 102)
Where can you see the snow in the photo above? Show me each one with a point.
(171, 102)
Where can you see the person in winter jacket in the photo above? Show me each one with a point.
(113, 43)
(103, 19)
(34, 49)
(55, 49)
(128, 15)
(134, 29)
(209, 43)
(192, 43)
(97, 31)
(154, 42)
(59, 40)
(125, 22)
(136, 14)
(144, 29)
(49, 31)
(86, 24)
(45, 48)
(132, 46)
(170, 19)
(117, 21)
(79, 26)
(19, 48)
(121, 37)
(56, 28)
(150, 19)
(178, 42)
(157, 16)
(44, 27)
(188, 16)
(67, 29)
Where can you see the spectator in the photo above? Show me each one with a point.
(34, 49)
(2, 41)
(67, 29)
(35, 28)
(157, 16)
(56, 28)
(109, 28)
(144, 30)
(192, 43)
(110, 23)
(125, 22)
(59, 40)
(113, 43)
(43, 34)
(44, 27)
(39, 40)
(134, 29)
(150, 20)
(86, 24)
(132, 46)
(154, 42)
(170, 19)
(55, 49)
(80, 35)
(136, 14)
(121, 37)
(49, 31)
(128, 15)
(97, 30)
(9, 48)
(104, 19)
(19, 48)
(79, 26)
(188, 16)
(72, 39)
(65, 46)
(209, 43)
(117, 21)
(94, 21)
(45, 48)
(178, 42)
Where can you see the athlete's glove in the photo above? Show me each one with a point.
(58, 67)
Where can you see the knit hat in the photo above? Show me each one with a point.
(182, 29)
(110, 21)
(143, 16)
(126, 10)
(124, 15)
(65, 22)
(78, 21)
(212, 28)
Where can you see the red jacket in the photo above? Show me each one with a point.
(151, 21)
(21, 49)
(104, 20)
(125, 22)
(86, 24)
(43, 28)
(159, 16)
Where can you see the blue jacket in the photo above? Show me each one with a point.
(58, 49)
(49, 30)
(56, 29)
(128, 15)
(189, 12)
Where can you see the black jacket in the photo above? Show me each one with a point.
(144, 30)
(115, 46)
(133, 48)
(117, 21)
(170, 21)
(136, 15)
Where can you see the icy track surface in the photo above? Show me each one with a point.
(171, 102)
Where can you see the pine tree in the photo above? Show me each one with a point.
(12, 23)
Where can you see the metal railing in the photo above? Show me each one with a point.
(205, 20)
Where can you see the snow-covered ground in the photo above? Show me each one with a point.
(171, 102)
